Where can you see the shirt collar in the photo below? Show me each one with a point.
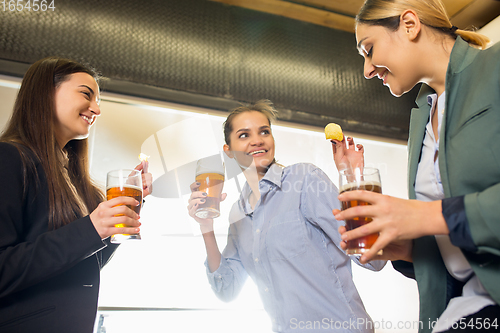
(273, 174)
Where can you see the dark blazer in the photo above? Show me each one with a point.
(49, 280)
(469, 163)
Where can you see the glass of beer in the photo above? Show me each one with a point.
(124, 183)
(210, 175)
(367, 179)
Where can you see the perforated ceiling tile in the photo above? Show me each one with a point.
(313, 74)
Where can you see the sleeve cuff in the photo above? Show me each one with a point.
(456, 219)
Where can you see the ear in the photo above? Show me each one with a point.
(228, 151)
(410, 23)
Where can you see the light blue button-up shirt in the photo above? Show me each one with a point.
(288, 244)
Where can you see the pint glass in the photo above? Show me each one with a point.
(367, 179)
(210, 175)
(124, 183)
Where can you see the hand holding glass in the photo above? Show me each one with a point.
(210, 175)
(124, 183)
(367, 179)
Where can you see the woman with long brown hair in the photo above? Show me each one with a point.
(54, 222)
(448, 239)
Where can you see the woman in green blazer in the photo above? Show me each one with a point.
(449, 238)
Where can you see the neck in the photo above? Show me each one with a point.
(438, 55)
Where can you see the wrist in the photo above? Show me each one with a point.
(435, 222)
(207, 227)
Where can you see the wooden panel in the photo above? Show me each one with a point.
(297, 12)
(339, 14)
(350, 8)
(455, 6)
(477, 14)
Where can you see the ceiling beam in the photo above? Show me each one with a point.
(297, 12)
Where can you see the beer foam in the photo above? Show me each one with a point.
(365, 183)
(127, 186)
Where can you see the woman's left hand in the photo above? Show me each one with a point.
(147, 178)
(394, 219)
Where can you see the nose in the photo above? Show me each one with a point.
(256, 140)
(369, 69)
(94, 108)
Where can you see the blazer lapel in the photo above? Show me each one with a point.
(418, 121)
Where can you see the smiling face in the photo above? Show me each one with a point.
(251, 140)
(77, 106)
(389, 55)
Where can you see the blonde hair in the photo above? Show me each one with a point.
(430, 12)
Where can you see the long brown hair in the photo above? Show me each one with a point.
(431, 13)
(32, 126)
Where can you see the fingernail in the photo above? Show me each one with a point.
(198, 183)
(344, 237)
(204, 194)
(202, 200)
(137, 203)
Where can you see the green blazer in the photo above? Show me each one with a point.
(469, 163)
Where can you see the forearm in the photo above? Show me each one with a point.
(213, 253)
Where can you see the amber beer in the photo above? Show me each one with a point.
(124, 183)
(362, 244)
(211, 184)
(352, 179)
(125, 191)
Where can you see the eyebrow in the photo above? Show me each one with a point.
(85, 86)
(247, 129)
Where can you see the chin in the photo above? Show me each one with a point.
(396, 93)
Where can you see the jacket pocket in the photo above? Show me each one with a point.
(476, 118)
(286, 237)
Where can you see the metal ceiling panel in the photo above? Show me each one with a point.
(209, 54)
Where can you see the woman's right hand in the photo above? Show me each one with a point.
(396, 250)
(112, 212)
(347, 157)
(197, 198)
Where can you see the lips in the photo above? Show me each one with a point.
(89, 120)
(384, 76)
(257, 152)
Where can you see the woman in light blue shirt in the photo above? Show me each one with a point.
(283, 236)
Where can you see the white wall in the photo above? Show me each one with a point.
(492, 30)
(168, 263)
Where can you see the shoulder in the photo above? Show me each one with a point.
(300, 168)
(307, 171)
(16, 157)
(9, 154)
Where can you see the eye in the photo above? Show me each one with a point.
(265, 132)
(86, 93)
(369, 52)
(243, 135)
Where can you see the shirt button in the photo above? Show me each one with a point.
(257, 231)
(266, 290)
(256, 259)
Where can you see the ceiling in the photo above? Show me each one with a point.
(339, 14)
(219, 54)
